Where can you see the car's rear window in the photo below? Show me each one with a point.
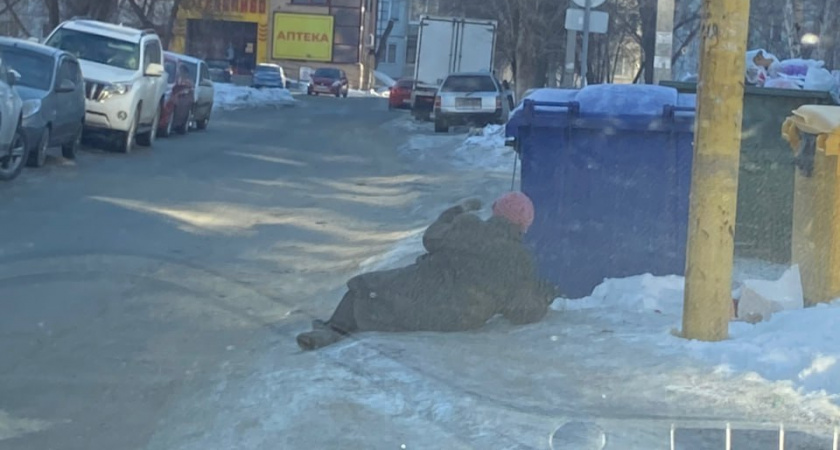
(170, 66)
(327, 73)
(267, 69)
(36, 71)
(469, 83)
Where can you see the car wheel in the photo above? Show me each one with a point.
(182, 129)
(345, 93)
(68, 150)
(126, 142)
(38, 158)
(338, 93)
(147, 139)
(167, 130)
(441, 126)
(203, 123)
(12, 163)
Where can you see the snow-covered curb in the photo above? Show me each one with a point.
(485, 148)
(229, 97)
(800, 348)
(479, 149)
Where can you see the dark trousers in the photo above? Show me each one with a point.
(343, 319)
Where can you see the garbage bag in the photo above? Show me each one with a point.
(819, 79)
(782, 83)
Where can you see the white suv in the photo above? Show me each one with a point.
(125, 81)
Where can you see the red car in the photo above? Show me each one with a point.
(180, 96)
(329, 81)
(400, 94)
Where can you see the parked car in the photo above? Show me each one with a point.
(53, 94)
(270, 76)
(124, 78)
(329, 81)
(399, 95)
(180, 96)
(191, 95)
(476, 98)
(220, 70)
(12, 141)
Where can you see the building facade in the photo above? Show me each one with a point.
(231, 30)
(394, 58)
(297, 34)
(307, 34)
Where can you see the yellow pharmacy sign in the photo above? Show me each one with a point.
(303, 37)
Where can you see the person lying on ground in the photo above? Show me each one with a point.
(472, 270)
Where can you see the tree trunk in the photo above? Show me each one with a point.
(647, 14)
(53, 13)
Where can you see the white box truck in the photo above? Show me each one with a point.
(448, 45)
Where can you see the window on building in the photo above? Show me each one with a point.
(391, 54)
(411, 49)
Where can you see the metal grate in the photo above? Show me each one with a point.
(93, 90)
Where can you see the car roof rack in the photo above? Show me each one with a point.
(148, 31)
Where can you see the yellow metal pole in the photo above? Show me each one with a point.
(714, 180)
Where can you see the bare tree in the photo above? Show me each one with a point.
(379, 54)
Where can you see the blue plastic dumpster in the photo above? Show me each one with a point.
(609, 171)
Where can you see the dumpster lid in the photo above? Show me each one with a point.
(549, 95)
(689, 87)
(625, 100)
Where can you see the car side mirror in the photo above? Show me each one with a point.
(66, 86)
(12, 77)
(154, 70)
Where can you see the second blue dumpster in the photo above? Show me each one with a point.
(609, 171)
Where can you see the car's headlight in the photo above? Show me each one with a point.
(30, 108)
(115, 89)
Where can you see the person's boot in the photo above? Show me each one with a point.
(315, 339)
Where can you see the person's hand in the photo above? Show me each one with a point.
(472, 204)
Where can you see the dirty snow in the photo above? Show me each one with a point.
(476, 149)
(607, 362)
(230, 96)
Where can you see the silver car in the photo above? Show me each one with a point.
(269, 76)
(474, 99)
(53, 94)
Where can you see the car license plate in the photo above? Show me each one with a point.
(469, 103)
(322, 88)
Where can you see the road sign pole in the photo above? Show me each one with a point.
(569, 68)
(584, 54)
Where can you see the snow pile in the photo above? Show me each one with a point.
(384, 79)
(485, 149)
(229, 96)
(800, 347)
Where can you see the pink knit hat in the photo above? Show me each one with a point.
(515, 207)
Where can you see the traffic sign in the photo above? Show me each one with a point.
(598, 20)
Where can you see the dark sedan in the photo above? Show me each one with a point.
(53, 93)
